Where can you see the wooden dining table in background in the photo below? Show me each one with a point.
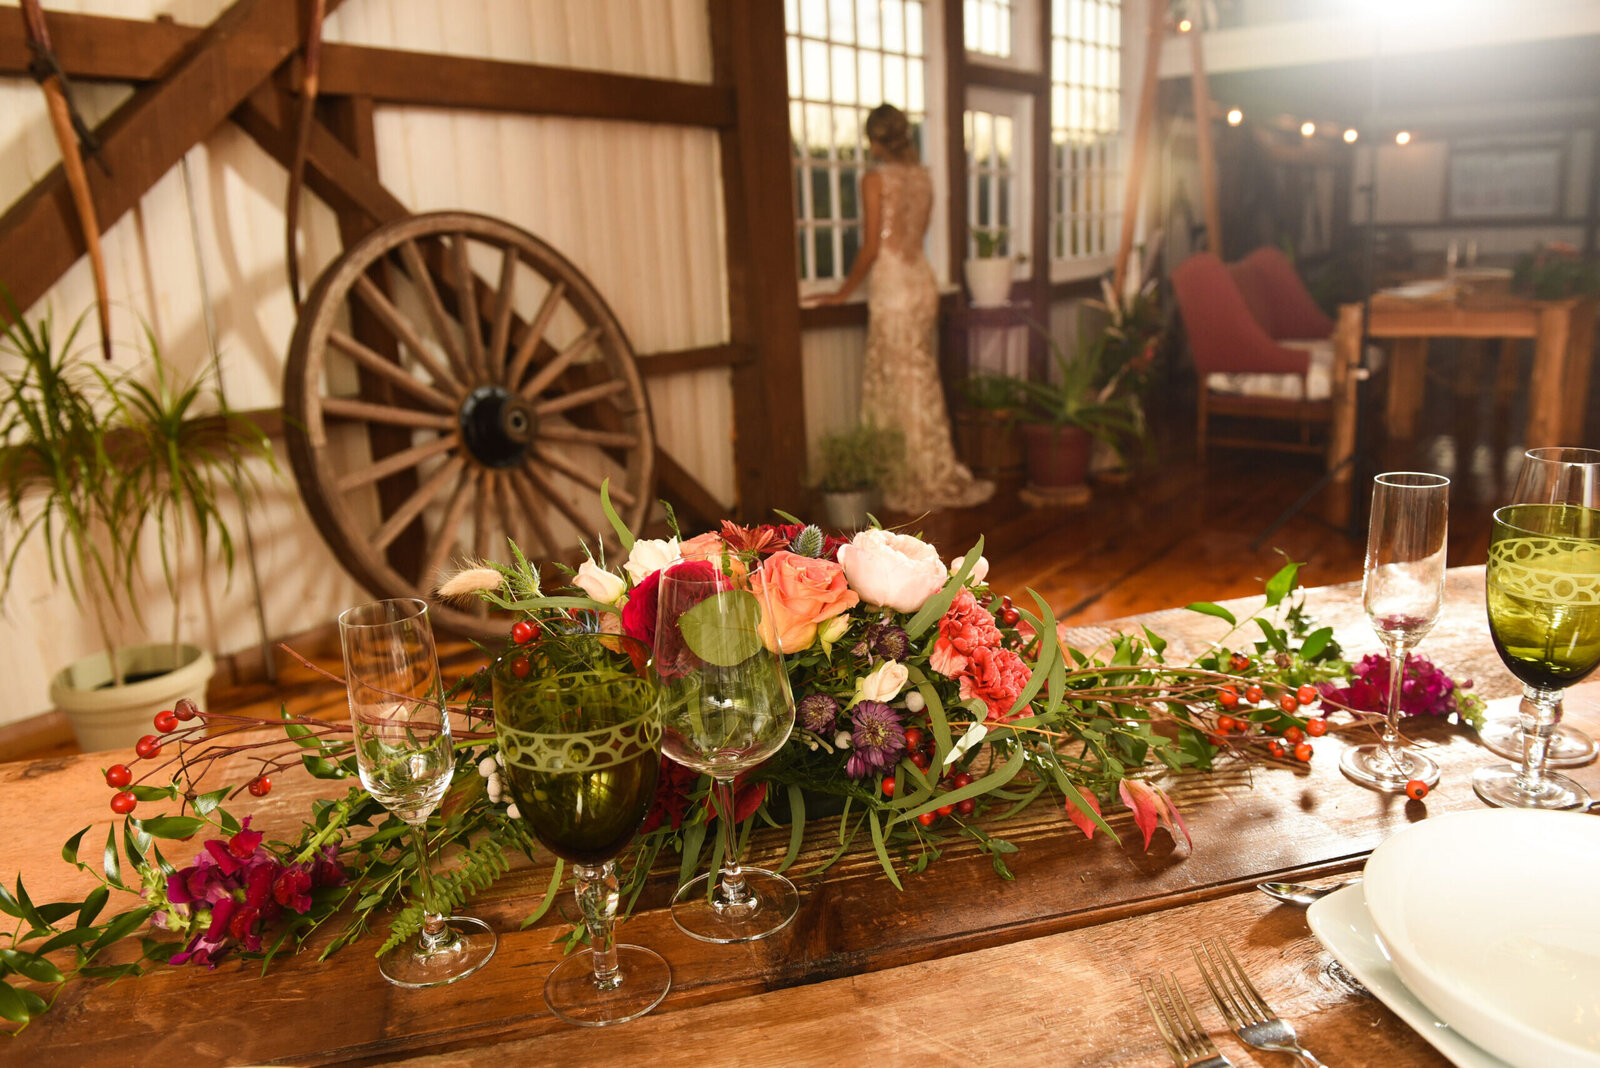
(961, 967)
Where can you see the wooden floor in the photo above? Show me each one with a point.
(1176, 530)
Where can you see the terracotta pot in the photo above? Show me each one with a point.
(989, 442)
(114, 717)
(1058, 456)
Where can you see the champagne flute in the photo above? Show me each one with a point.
(577, 717)
(404, 753)
(725, 707)
(1402, 590)
(1541, 480)
(1543, 592)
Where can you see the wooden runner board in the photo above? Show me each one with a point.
(1080, 919)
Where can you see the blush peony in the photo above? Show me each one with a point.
(892, 570)
(800, 593)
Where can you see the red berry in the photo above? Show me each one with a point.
(967, 807)
(926, 819)
(166, 722)
(961, 779)
(118, 776)
(1302, 752)
(1239, 662)
(1005, 601)
(1288, 703)
(1010, 616)
(913, 737)
(522, 632)
(920, 759)
(149, 747)
(185, 710)
(260, 786)
(1227, 696)
(1317, 727)
(1416, 789)
(1294, 735)
(887, 787)
(1307, 694)
(1253, 693)
(123, 803)
(1276, 749)
(945, 810)
(1227, 724)
(520, 667)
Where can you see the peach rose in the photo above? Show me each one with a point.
(712, 548)
(799, 593)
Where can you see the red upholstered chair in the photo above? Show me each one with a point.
(1277, 298)
(1242, 370)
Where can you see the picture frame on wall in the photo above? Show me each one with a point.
(1506, 182)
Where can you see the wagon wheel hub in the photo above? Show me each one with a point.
(497, 426)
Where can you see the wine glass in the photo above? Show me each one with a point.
(1543, 591)
(725, 707)
(578, 722)
(1544, 471)
(1402, 590)
(404, 753)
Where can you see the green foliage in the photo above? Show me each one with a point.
(866, 457)
(1076, 397)
(993, 393)
(989, 242)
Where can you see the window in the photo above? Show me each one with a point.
(845, 58)
(1085, 200)
(988, 27)
(997, 128)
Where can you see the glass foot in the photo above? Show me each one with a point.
(771, 902)
(1569, 747)
(1498, 786)
(1387, 770)
(642, 980)
(470, 949)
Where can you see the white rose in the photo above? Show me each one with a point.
(980, 570)
(883, 684)
(892, 570)
(649, 556)
(599, 583)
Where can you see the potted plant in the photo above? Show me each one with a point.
(1063, 417)
(988, 270)
(853, 467)
(986, 425)
(93, 463)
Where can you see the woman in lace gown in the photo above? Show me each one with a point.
(900, 385)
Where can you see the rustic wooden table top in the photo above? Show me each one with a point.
(960, 968)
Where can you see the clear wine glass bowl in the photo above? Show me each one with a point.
(406, 760)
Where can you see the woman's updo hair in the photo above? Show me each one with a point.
(888, 126)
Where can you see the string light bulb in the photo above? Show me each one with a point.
(1308, 129)
(1403, 137)
(1185, 25)
(1235, 116)
(1350, 136)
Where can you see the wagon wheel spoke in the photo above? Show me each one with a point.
(534, 334)
(577, 435)
(556, 462)
(415, 503)
(390, 371)
(564, 506)
(445, 538)
(553, 370)
(399, 327)
(505, 293)
(397, 462)
(422, 278)
(368, 412)
(528, 498)
(467, 303)
(579, 398)
(482, 509)
(504, 508)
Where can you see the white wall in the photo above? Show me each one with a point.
(637, 208)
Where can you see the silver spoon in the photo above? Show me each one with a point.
(1299, 894)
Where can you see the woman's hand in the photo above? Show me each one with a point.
(822, 300)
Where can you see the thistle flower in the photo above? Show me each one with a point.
(809, 542)
(887, 641)
(876, 741)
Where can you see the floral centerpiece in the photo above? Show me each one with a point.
(928, 709)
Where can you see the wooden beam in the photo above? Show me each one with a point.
(1204, 147)
(657, 364)
(955, 110)
(39, 234)
(391, 76)
(688, 495)
(94, 47)
(747, 42)
(1031, 83)
(1155, 30)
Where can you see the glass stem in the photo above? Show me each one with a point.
(1540, 712)
(1391, 726)
(598, 897)
(435, 935)
(732, 891)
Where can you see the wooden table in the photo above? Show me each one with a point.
(960, 968)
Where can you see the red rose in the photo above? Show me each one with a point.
(686, 585)
(639, 614)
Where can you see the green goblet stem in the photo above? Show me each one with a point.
(1540, 711)
(598, 898)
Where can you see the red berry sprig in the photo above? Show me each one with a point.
(523, 632)
(166, 722)
(123, 802)
(149, 747)
(118, 776)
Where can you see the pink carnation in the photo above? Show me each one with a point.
(964, 629)
(998, 676)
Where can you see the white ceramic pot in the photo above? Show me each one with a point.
(989, 281)
(848, 511)
(115, 717)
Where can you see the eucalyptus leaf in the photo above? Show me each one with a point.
(1207, 608)
(723, 629)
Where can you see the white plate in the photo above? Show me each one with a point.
(1433, 287)
(1490, 920)
(1341, 923)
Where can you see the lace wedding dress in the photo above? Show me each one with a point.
(900, 385)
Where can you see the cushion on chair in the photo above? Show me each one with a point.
(1290, 310)
(1315, 385)
(1223, 335)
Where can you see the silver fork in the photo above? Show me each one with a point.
(1185, 1039)
(1246, 1011)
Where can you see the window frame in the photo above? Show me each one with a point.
(1113, 176)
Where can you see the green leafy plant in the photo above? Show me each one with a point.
(992, 393)
(1076, 396)
(989, 242)
(863, 458)
(95, 461)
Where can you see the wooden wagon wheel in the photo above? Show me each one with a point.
(431, 415)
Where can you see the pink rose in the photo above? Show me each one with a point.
(998, 676)
(892, 570)
(963, 630)
(799, 593)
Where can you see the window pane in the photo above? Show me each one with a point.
(894, 26)
(852, 245)
(791, 16)
(844, 75)
(871, 79)
(814, 69)
(842, 21)
(868, 33)
(894, 81)
(821, 197)
(914, 86)
(914, 29)
(848, 208)
(814, 18)
(795, 80)
(822, 246)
